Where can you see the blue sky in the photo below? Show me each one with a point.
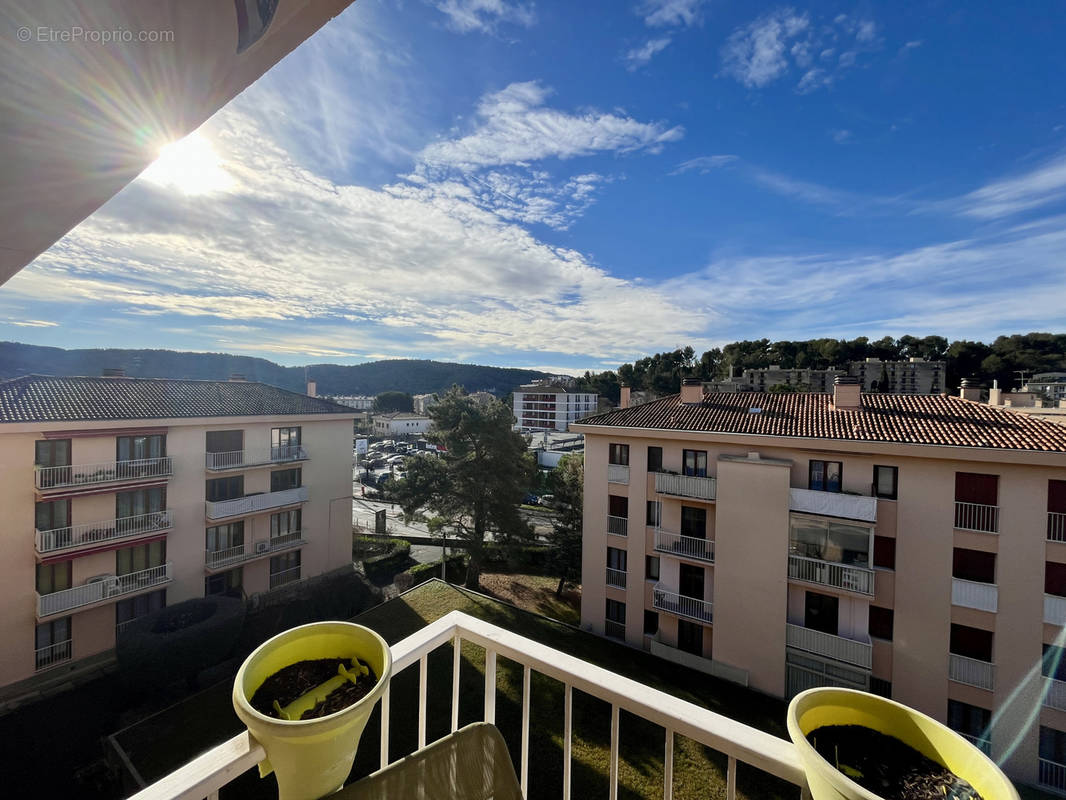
(573, 185)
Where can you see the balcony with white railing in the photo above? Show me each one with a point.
(255, 503)
(676, 544)
(833, 504)
(698, 488)
(1056, 526)
(290, 575)
(227, 557)
(103, 588)
(205, 775)
(616, 578)
(976, 517)
(669, 600)
(243, 459)
(79, 476)
(1055, 609)
(980, 742)
(971, 671)
(92, 534)
(617, 473)
(831, 573)
(1055, 693)
(839, 648)
(53, 655)
(1052, 775)
(974, 594)
(615, 630)
(619, 526)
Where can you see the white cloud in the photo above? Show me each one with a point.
(514, 127)
(1038, 187)
(666, 13)
(484, 15)
(32, 323)
(841, 135)
(755, 54)
(639, 56)
(705, 164)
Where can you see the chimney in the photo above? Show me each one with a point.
(970, 391)
(995, 394)
(114, 372)
(847, 393)
(312, 389)
(237, 376)
(691, 391)
(624, 402)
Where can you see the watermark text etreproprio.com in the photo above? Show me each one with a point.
(78, 34)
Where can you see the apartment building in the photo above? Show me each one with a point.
(124, 495)
(909, 545)
(400, 423)
(913, 376)
(550, 406)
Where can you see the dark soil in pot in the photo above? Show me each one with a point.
(296, 680)
(886, 766)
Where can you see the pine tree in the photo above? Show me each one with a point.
(568, 483)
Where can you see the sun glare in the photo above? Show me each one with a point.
(190, 166)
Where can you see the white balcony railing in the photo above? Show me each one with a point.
(257, 549)
(619, 526)
(971, 671)
(103, 472)
(617, 473)
(973, 594)
(850, 651)
(1055, 609)
(209, 772)
(976, 517)
(616, 578)
(616, 630)
(254, 503)
(290, 575)
(686, 486)
(53, 654)
(687, 546)
(1055, 694)
(102, 588)
(980, 742)
(830, 573)
(93, 533)
(238, 459)
(1056, 526)
(1052, 775)
(833, 504)
(668, 600)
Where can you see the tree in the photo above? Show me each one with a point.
(479, 479)
(568, 483)
(394, 401)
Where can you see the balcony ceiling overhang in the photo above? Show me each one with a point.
(80, 117)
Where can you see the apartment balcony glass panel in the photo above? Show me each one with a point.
(104, 588)
(976, 517)
(699, 488)
(82, 475)
(255, 503)
(617, 473)
(616, 578)
(95, 533)
(829, 573)
(833, 504)
(971, 594)
(839, 648)
(972, 672)
(666, 599)
(1056, 526)
(684, 546)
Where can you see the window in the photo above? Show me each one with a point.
(821, 612)
(52, 515)
(651, 568)
(1053, 665)
(54, 577)
(694, 463)
(615, 624)
(285, 479)
(971, 487)
(285, 523)
(52, 642)
(971, 642)
(617, 505)
(618, 454)
(694, 522)
(140, 501)
(1056, 497)
(225, 441)
(223, 537)
(881, 622)
(968, 719)
(655, 459)
(651, 623)
(655, 513)
(829, 541)
(973, 565)
(824, 476)
(228, 488)
(885, 482)
(133, 448)
(140, 557)
(140, 606)
(690, 583)
(223, 582)
(690, 637)
(284, 568)
(1052, 745)
(1055, 579)
(884, 552)
(52, 453)
(616, 559)
(285, 442)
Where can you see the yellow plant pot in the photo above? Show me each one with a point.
(311, 758)
(815, 708)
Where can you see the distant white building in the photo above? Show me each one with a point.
(423, 402)
(550, 407)
(359, 402)
(1051, 384)
(401, 423)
